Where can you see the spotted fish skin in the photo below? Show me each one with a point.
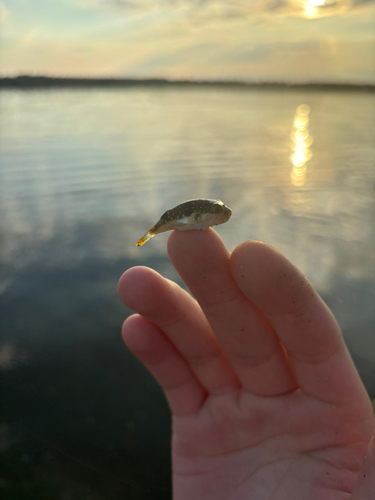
(200, 213)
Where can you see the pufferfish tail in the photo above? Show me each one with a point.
(145, 238)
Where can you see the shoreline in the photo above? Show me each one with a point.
(36, 82)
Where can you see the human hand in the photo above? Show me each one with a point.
(265, 398)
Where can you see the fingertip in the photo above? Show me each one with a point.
(248, 263)
(182, 244)
(143, 338)
(253, 251)
(130, 327)
(133, 284)
(126, 278)
(133, 275)
(268, 278)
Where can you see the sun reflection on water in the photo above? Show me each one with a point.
(301, 142)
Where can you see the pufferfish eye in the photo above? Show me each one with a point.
(217, 209)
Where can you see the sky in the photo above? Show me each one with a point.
(247, 40)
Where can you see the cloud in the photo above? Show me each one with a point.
(209, 10)
(28, 38)
(247, 40)
(309, 60)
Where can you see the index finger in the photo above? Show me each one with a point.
(305, 325)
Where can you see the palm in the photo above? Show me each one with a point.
(266, 401)
(289, 444)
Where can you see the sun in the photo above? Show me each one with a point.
(311, 7)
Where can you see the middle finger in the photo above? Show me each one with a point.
(202, 260)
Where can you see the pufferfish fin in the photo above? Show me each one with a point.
(145, 239)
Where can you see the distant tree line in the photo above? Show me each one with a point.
(29, 82)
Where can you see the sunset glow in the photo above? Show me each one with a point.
(293, 41)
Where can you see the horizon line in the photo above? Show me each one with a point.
(23, 81)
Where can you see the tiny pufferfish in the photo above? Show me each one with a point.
(193, 214)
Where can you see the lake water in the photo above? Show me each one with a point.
(83, 175)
